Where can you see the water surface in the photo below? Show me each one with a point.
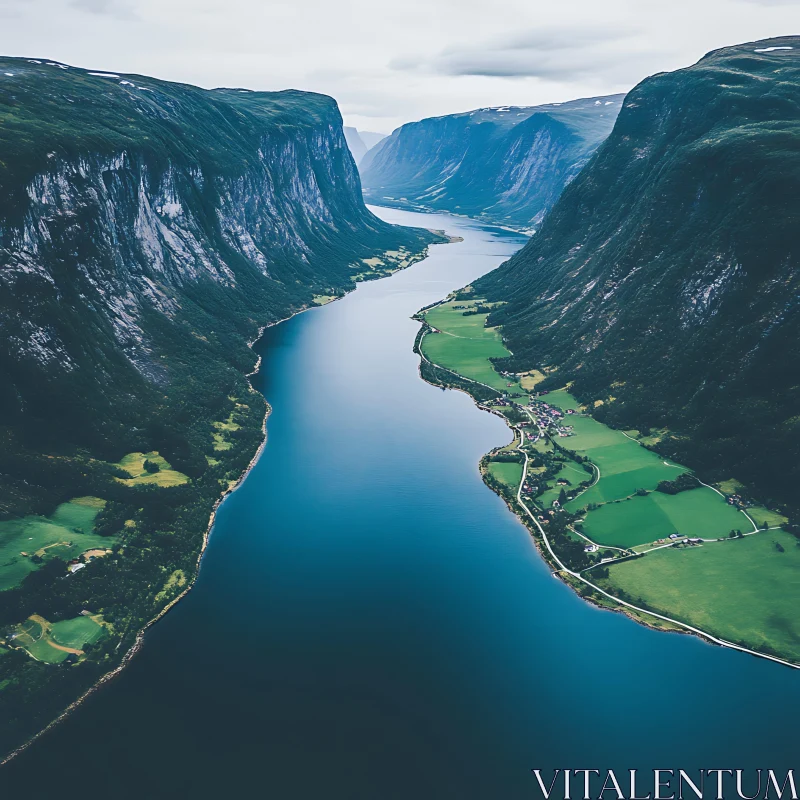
(370, 621)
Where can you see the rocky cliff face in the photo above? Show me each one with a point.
(665, 280)
(134, 208)
(506, 165)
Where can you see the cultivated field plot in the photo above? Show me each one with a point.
(465, 345)
(746, 591)
(624, 519)
(763, 516)
(698, 512)
(66, 534)
(571, 472)
(625, 465)
(508, 473)
(134, 465)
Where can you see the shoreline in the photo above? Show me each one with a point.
(139, 640)
(421, 209)
(544, 548)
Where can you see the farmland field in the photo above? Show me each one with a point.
(465, 346)
(570, 471)
(507, 472)
(743, 590)
(66, 533)
(699, 512)
(625, 465)
(763, 515)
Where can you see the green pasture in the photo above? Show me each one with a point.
(465, 346)
(699, 513)
(625, 465)
(562, 399)
(66, 533)
(570, 471)
(742, 590)
(761, 515)
(508, 473)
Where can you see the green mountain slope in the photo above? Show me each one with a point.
(506, 164)
(147, 231)
(665, 280)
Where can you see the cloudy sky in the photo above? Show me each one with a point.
(391, 62)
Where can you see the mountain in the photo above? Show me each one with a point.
(506, 165)
(360, 142)
(370, 138)
(147, 231)
(356, 144)
(664, 283)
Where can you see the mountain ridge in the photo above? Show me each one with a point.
(506, 164)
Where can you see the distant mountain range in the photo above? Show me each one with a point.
(360, 142)
(507, 164)
(665, 283)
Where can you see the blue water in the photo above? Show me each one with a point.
(370, 621)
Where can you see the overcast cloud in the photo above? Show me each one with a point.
(388, 63)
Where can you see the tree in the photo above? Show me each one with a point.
(151, 466)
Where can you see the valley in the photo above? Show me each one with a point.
(368, 589)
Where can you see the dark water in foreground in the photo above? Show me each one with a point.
(371, 622)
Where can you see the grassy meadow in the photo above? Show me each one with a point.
(509, 473)
(625, 466)
(66, 533)
(465, 345)
(570, 471)
(742, 590)
(698, 512)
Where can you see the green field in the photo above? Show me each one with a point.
(699, 513)
(465, 346)
(508, 473)
(76, 632)
(743, 590)
(133, 464)
(625, 465)
(763, 515)
(38, 637)
(66, 534)
(562, 399)
(572, 472)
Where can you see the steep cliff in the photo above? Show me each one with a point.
(133, 211)
(147, 231)
(506, 165)
(665, 281)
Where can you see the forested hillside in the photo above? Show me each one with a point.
(664, 284)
